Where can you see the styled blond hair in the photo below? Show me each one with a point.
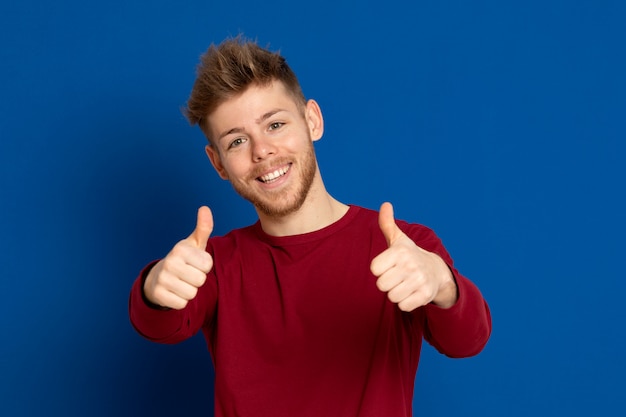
(228, 69)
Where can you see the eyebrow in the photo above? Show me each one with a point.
(258, 121)
(268, 115)
(229, 132)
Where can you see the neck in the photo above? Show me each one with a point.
(319, 210)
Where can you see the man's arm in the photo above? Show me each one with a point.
(410, 275)
(463, 329)
(163, 303)
(455, 317)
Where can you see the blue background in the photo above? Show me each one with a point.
(498, 124)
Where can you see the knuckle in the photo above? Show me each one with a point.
(207, 263)
(159, 295)
(405, 307)
(408, 304)
(168, 263)
(394, 298)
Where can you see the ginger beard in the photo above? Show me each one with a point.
(286, 200)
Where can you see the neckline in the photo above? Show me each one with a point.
(309, 236)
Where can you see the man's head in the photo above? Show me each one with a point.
(228, 69)
(261, 130)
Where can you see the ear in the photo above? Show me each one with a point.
(314, 119)
(214, 157)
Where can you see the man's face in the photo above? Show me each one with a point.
(262, 142)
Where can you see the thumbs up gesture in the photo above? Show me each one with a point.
(175, 280)
(411, 276)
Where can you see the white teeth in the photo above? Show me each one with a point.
(274, 175)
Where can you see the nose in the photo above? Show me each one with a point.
(262, 148)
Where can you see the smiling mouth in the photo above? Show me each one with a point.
(275, 175)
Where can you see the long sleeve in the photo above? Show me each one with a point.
(463, 329)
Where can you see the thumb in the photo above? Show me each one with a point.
(204, 226)
(387, 223)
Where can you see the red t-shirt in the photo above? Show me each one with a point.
(297, 327)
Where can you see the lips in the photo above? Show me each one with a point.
(274, 175)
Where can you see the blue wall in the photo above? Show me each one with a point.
(501, 126)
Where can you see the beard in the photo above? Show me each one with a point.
(287, 201)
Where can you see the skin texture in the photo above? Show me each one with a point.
(262, 142)
(277, 138)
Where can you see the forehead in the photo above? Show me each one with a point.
(252, 103)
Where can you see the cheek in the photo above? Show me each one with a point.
(233, 169)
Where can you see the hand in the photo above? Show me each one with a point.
(411, 276)
(175, 280)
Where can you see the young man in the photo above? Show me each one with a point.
(319, 308)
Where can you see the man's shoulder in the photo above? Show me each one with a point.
(235, 237)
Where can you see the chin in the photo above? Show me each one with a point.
(278, 209)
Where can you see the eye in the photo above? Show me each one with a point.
(275, 125)
(236, 142)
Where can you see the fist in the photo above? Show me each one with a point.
(411, 276)
(175, 280)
